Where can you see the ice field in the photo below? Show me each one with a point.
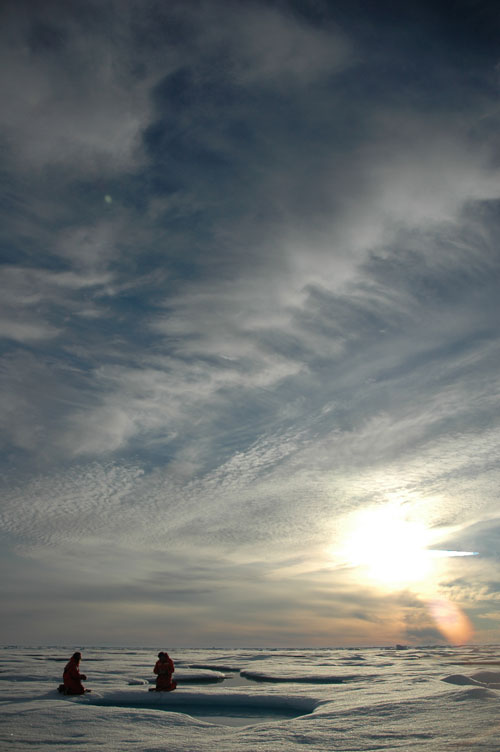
(432, 698)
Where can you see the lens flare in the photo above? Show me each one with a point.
(451, 621)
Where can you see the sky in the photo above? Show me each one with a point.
(249, 322)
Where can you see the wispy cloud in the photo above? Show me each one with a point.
(250, 285)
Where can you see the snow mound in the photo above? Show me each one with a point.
(459, 679)
(24, 678)
(475, 693)
(261, 676)
(179, 700)
(191, 676)
(488, 679)
(492, 678)
(216, 667)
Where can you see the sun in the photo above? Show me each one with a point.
(388, 548)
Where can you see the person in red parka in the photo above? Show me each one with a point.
(72, 677)
(164, 668)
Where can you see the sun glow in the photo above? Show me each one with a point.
(387, 547)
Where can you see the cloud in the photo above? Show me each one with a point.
(25, 331)
(66, 506)
(272, 46)
(32, 295)
(287, 310)
(58, 115)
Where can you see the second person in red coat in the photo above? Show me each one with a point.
(164, 668)
(72, 677)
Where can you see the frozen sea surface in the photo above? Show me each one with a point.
(432, 698)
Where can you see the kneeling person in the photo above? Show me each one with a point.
(72, 678)
(164, 668)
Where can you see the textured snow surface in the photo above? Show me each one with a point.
(275, 700)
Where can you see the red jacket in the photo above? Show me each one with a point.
(72, 678)
(164, 670)
(165, 666)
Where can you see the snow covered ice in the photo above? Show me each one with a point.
(431, 698)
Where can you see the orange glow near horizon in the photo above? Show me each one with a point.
(451, 621)
(392, 551)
